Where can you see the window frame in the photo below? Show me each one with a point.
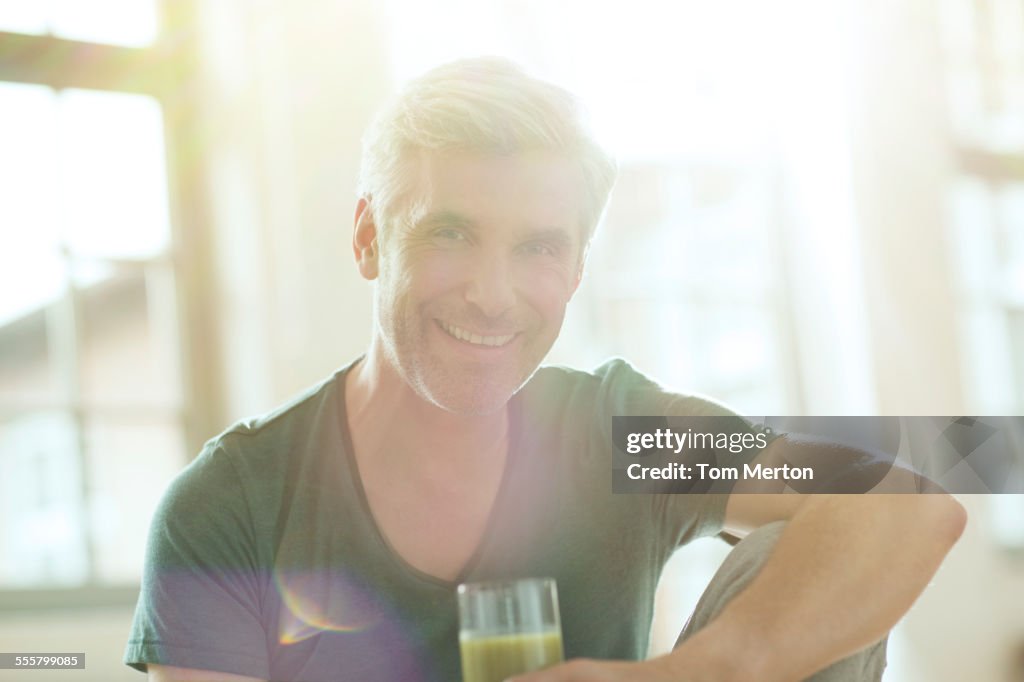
(168, 71)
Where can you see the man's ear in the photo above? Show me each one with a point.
(579, 271)
(364, 240)
(576, 283)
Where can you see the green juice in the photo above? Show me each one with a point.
(492, 659)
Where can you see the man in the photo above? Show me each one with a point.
(325, 540)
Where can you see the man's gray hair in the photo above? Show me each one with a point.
(485, 105)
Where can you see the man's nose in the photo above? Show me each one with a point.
(491, 287)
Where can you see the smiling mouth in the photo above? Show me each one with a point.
(475, 339)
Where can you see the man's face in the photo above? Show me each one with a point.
(473, 285)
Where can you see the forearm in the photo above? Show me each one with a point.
(844, 571)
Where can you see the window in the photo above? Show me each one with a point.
(984, 64)
(91, 389)
(983, 43)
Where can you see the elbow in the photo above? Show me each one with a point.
(948, 518)
(957, 518)
(937, 519)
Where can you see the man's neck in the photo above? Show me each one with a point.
(389, 419)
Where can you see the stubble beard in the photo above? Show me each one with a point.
(453, 386)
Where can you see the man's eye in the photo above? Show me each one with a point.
(538, 249)
(450, 234)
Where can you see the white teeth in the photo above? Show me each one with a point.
(476, 339)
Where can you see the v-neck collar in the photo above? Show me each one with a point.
(495, 513)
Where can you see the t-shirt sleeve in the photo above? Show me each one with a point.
(682, 516)
(686, 516)
(199, 606)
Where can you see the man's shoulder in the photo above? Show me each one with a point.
(567, 398)
(260, 450)
(253, 455)
(316, 407)
(613, 371)
(617, 387)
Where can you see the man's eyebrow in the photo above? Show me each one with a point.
(553, 235)
(443, 218)
(557, 236)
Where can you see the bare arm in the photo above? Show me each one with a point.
(845, 570)
(166, 673)
(843, 573)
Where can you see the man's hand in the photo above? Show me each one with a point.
(699, 659)
(587, 670)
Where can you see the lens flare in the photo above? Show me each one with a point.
(318, 601)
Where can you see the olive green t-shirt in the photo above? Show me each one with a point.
(264, 559)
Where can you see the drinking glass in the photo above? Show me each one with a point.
(508, 627)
